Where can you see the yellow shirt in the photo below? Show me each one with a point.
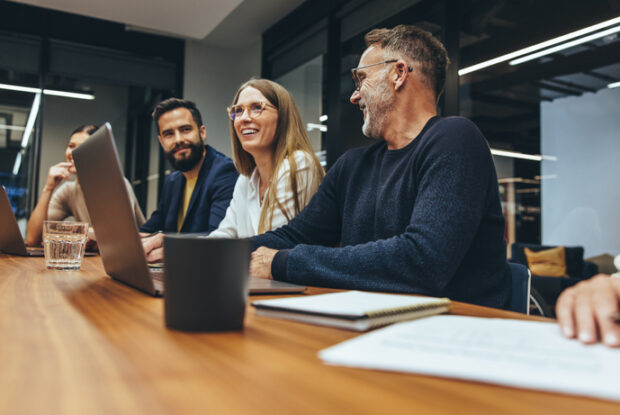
(187, 196)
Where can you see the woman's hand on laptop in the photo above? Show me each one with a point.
(260, 263)
(154, 247)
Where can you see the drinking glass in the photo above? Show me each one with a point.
(64, 244)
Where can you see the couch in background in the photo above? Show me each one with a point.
(551, 287)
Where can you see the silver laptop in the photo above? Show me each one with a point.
(11, 240)
(99, 171)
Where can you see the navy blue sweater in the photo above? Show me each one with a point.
(423, 219)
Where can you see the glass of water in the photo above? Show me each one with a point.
(64, 244)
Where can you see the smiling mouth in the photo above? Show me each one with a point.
(249, 131)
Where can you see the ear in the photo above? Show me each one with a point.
(401, 74)
(203, 133)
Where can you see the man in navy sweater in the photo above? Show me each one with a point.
(417, 212)
(196, 195)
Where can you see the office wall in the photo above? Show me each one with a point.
(212, 76)
(62, 115)
(581, 190)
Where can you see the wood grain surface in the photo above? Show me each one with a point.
(77, 342)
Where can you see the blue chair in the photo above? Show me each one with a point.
(521, 286)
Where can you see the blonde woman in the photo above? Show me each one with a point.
(279, 172)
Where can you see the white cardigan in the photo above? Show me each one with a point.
(243, 213)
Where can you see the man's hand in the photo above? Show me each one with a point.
(154, 247)
(586, 311)
(260, 263)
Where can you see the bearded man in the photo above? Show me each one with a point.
(196, 195)
(417, 212)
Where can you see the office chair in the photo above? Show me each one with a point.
(521, 285)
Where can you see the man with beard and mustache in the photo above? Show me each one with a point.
(417, 212)
(195, 196)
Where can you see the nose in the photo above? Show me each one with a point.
(355, 97)
(245, 115)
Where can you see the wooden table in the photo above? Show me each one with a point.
(78, 342)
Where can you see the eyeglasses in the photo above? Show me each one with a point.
(358, 82)
(255, 109)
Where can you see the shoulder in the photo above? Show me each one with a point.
(455, 135)
(66, 190)
(303, 160)
(217, 157)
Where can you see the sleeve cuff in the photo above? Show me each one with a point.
(278, 265)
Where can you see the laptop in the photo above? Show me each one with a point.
(99, 171)
(11, 240)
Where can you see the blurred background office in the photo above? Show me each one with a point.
(549, 113)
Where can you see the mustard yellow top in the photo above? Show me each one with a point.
(187, 196)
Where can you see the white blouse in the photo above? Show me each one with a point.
(243, 213)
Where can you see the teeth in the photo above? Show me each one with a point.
(248, 131)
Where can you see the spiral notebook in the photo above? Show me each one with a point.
(352, 310)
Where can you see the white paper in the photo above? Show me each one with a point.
(523, 354)
(352, 303)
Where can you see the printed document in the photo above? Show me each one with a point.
(523, 354)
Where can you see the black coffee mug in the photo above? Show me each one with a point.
(205, 282)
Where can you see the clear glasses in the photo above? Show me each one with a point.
(255, 109)
(356, 79)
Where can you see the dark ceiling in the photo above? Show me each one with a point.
(505, 100)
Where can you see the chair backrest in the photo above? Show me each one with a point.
(521, 284)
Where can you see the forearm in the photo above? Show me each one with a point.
(34, 229)
(394, 264)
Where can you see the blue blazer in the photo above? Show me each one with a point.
(207, 207)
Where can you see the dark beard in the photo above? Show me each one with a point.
(188, 163)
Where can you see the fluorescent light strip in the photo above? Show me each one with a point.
(18, 163)
(47, 91)
(516, 155)
(323, 118)
(566, 45)
(11, 127)
(32, 117)
(613, 85)
(539, 46)
(312, 126)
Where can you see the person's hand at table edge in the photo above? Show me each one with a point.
(153, 246)
(260, 263)
(590, 311)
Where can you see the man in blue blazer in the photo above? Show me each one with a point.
(196, 195)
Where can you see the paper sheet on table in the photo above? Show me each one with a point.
(522, 354)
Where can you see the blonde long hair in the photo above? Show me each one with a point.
(290, 136)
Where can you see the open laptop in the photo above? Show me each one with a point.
(99, 171)
(11, 240)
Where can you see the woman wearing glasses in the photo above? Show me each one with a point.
(279, 171)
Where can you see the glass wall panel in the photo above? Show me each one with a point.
(305, 83)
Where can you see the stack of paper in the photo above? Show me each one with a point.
(517, 353)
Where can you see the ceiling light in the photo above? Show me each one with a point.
(54, 92)
(539, 46)
(323, 118)
(613, 85)
(566, 45)
(11, 127)
(32, 118)
(312, 126)
(18, 163)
